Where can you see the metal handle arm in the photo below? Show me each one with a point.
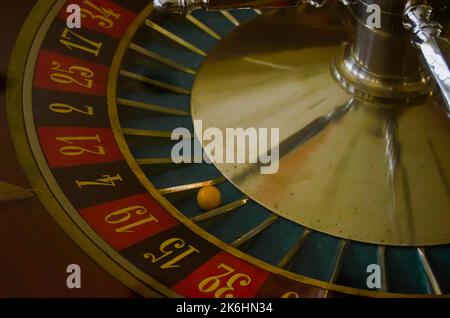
(426, 37)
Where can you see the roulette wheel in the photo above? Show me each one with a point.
(362, 112)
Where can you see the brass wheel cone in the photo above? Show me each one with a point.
(349, 168)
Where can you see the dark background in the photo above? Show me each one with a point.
(34, 251)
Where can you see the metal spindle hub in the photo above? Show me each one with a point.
(363, 134)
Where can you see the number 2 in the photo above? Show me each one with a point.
(65, 109)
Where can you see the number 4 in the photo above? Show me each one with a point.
(106, 180)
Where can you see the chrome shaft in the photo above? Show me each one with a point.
(426, 37)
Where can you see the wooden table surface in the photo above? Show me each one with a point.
(34, 251)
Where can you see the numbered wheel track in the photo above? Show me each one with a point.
(91, 112)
